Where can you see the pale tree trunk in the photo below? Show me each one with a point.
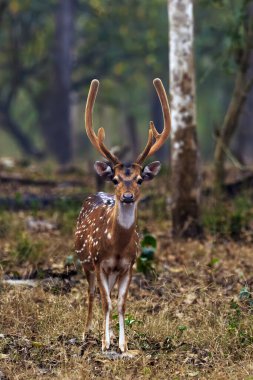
(185, 152)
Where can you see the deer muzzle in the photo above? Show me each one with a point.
(127, 197)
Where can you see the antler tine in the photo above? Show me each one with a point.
(96, 141)
(147, 148)
(160, 138)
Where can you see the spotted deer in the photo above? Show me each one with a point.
(106, 236)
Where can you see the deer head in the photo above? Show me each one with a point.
(128, 178)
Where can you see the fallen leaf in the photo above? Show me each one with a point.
(192, 374)
(190, 298)
(4, 356)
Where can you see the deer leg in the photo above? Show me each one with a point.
(124, 282)
(103, 283)
(91, 278)
(112, 278)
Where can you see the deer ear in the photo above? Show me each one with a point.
(104, 170)
(151, 170)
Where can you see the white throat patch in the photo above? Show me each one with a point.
(126, 214)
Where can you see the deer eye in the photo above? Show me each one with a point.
(139, 181)
(115, 181)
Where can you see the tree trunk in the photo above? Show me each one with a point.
(21, 138)
(243, 84)
(3, 7)
(185, 152)
(229, 126)
(242, 145)
(56, 118)
(132, 131)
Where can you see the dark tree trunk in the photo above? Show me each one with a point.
(243, 84)
(21, 138)
(229, 126)
(242, 144)
(56, 107)
(3, 7)
(132, 131)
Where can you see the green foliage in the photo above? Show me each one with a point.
(229, 219)
(214, 219)
(145, 262)
(231, 22)
(26, 250)
(67, 219)
(235, 319)
(26, 41)
(148, 245)
(241, 216)
(137, 34)
(69, 260)
(246, 297)
(134, 29)
(4, 225)
(234, 316)
(220, 39)
(182, 328)
(130, 321)
(213, 262)
(145, 266)
(160, 208)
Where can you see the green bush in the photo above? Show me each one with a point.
(26, 250)
(145, 262)
(4, 227)
(230, 219)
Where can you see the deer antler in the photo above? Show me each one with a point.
(160, 138)
(147, 148)
(96, 140)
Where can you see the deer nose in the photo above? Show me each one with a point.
(128, 197)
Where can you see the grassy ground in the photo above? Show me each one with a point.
(192, 320)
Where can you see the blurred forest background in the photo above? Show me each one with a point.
(190, 301)
(50, 51)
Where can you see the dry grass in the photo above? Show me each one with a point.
(189, 322)
(192, 323)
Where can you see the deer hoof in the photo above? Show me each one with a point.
(123, 348)
(105, 345)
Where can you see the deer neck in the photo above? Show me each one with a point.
(124, 218)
